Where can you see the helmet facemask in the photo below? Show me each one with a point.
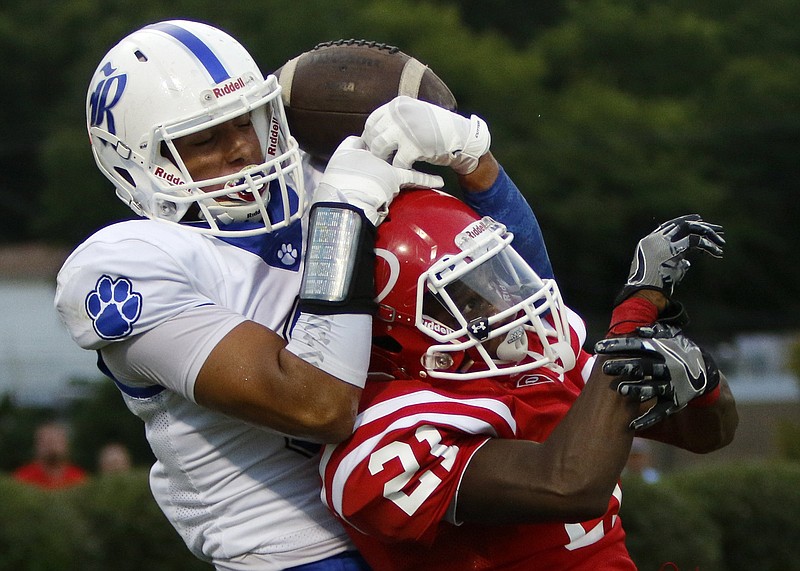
(489, 312)
(239, 197)
(155, 87)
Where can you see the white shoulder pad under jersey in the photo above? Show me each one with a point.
(129, 277)
(312, 173)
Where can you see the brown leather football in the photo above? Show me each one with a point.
(330, 90)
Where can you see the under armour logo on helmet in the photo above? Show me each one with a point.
(479, 328)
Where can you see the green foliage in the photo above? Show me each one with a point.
(41, 530)
(789, 432)
(664, 526)
(133, 532)
(611, 116)
(724, 517)
(788, 440)
(98, 205)
(755, 507)
(16, 432)
(519, 20)
(110, 522)
(101, 417)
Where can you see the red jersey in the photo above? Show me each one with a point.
(392, 482)
(33, 473)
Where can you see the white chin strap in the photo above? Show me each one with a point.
(565, 354)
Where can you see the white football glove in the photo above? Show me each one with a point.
(357, 177)
(415, 130)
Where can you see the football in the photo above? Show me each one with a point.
(329, 91)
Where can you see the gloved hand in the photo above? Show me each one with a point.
(661, 363)
(415, 130)
(357, 177)
(660, 259)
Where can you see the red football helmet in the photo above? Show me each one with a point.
(455, 300)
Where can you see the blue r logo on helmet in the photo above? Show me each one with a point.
(106, 95)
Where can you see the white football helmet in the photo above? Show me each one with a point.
(175, 78)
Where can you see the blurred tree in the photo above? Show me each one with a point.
(612, 116)
(100, 417)
(680, 532)
(131, 531)
(518, 20)
(17, 427)
(788, 432)
(96, 417)
(41, 529)
(654, 110)
(742, 498)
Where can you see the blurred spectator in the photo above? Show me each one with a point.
(51, 466)
(640, 462)
(113, 458)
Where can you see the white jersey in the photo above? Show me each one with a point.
(154, 300)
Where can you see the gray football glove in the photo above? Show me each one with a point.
(660, 259)
(661, 363)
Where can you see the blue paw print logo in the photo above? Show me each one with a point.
(114, 307)
(287, 254)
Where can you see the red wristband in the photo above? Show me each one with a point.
(706, 399)
(632, 313)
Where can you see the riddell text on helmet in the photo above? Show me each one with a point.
(274, 131)
(169, 177)
(229, 87)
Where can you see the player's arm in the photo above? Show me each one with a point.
(699, 418)
(700, 427)
(491, 192)
(686, 400)
(215, 357)
(297, 387)
(250, 374)
(410, 130)
(568, 477)
(572, 474)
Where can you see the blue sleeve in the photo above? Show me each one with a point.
(504, 202)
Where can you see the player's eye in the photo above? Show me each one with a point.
(196, 139)
(474, 306)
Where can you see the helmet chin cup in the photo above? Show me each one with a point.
(245, 199)
(514, 348)
(252, 185)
